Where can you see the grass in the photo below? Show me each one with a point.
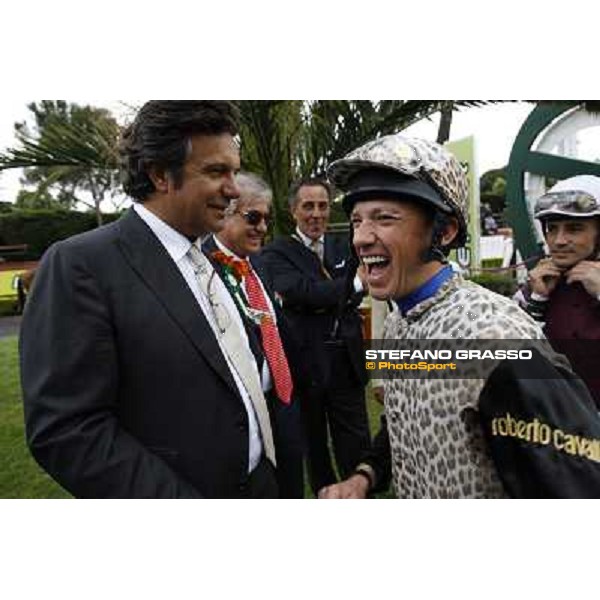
(374, 410)
(20, 476)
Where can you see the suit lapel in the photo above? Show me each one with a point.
(209, 245)
(150, 260)
(331, 253)
(306, 260)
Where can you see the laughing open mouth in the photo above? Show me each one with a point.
(375, 264)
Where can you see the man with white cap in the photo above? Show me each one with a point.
(564, 288)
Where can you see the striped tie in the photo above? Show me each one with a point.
(317, 247)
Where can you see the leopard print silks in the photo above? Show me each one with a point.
(437, 444)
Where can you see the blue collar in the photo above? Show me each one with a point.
(428, 289)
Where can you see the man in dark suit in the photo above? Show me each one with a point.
(134, 385)
(233, 253)
(310, 272)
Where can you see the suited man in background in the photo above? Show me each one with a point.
(309, 271)
(134, 385)
(233, 251)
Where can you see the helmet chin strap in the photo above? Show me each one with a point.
(437, 254)
(435, 250)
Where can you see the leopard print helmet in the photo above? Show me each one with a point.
(428, 173)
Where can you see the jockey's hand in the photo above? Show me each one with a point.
(587, 272)
(543, 279)
(355, 487)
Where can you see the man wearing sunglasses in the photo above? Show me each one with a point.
(232, 252)
(564, 288)
(309, 271)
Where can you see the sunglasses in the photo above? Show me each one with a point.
(575, 202)
(255, 217)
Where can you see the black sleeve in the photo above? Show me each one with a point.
(542, 430)
(297, 287)
(70, 380)
(379, 458)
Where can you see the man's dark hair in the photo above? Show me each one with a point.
(160, 137)
(307, 182)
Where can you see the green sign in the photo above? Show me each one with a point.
(464, 150)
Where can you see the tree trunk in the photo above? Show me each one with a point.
(99, 220)
(446, 113)
(97, 196)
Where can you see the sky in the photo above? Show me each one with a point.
(494, 128)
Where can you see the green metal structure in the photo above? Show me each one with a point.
(523, 159)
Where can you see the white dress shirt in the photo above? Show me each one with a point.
(177, 246)
(309, 242)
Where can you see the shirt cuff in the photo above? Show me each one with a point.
(538, 297)
(358, 286)
(367, 471)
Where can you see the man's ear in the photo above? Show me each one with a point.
(160, 179)
(450, 232)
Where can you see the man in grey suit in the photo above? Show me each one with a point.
(134, 384)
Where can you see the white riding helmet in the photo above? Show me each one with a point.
(576, 197)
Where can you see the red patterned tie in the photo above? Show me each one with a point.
(272, 346)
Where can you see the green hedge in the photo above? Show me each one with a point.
(39, 229)
(500, 283)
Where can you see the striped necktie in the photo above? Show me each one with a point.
(317, 247)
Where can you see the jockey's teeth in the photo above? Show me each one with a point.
(372, 262)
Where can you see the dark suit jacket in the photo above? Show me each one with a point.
(126, 391)
(311, 301)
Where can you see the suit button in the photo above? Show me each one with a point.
(243, 487)
(243, 426)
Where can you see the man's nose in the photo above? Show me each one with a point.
(230, 188)
(262, 226)
(561, 237)
(362, 235)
